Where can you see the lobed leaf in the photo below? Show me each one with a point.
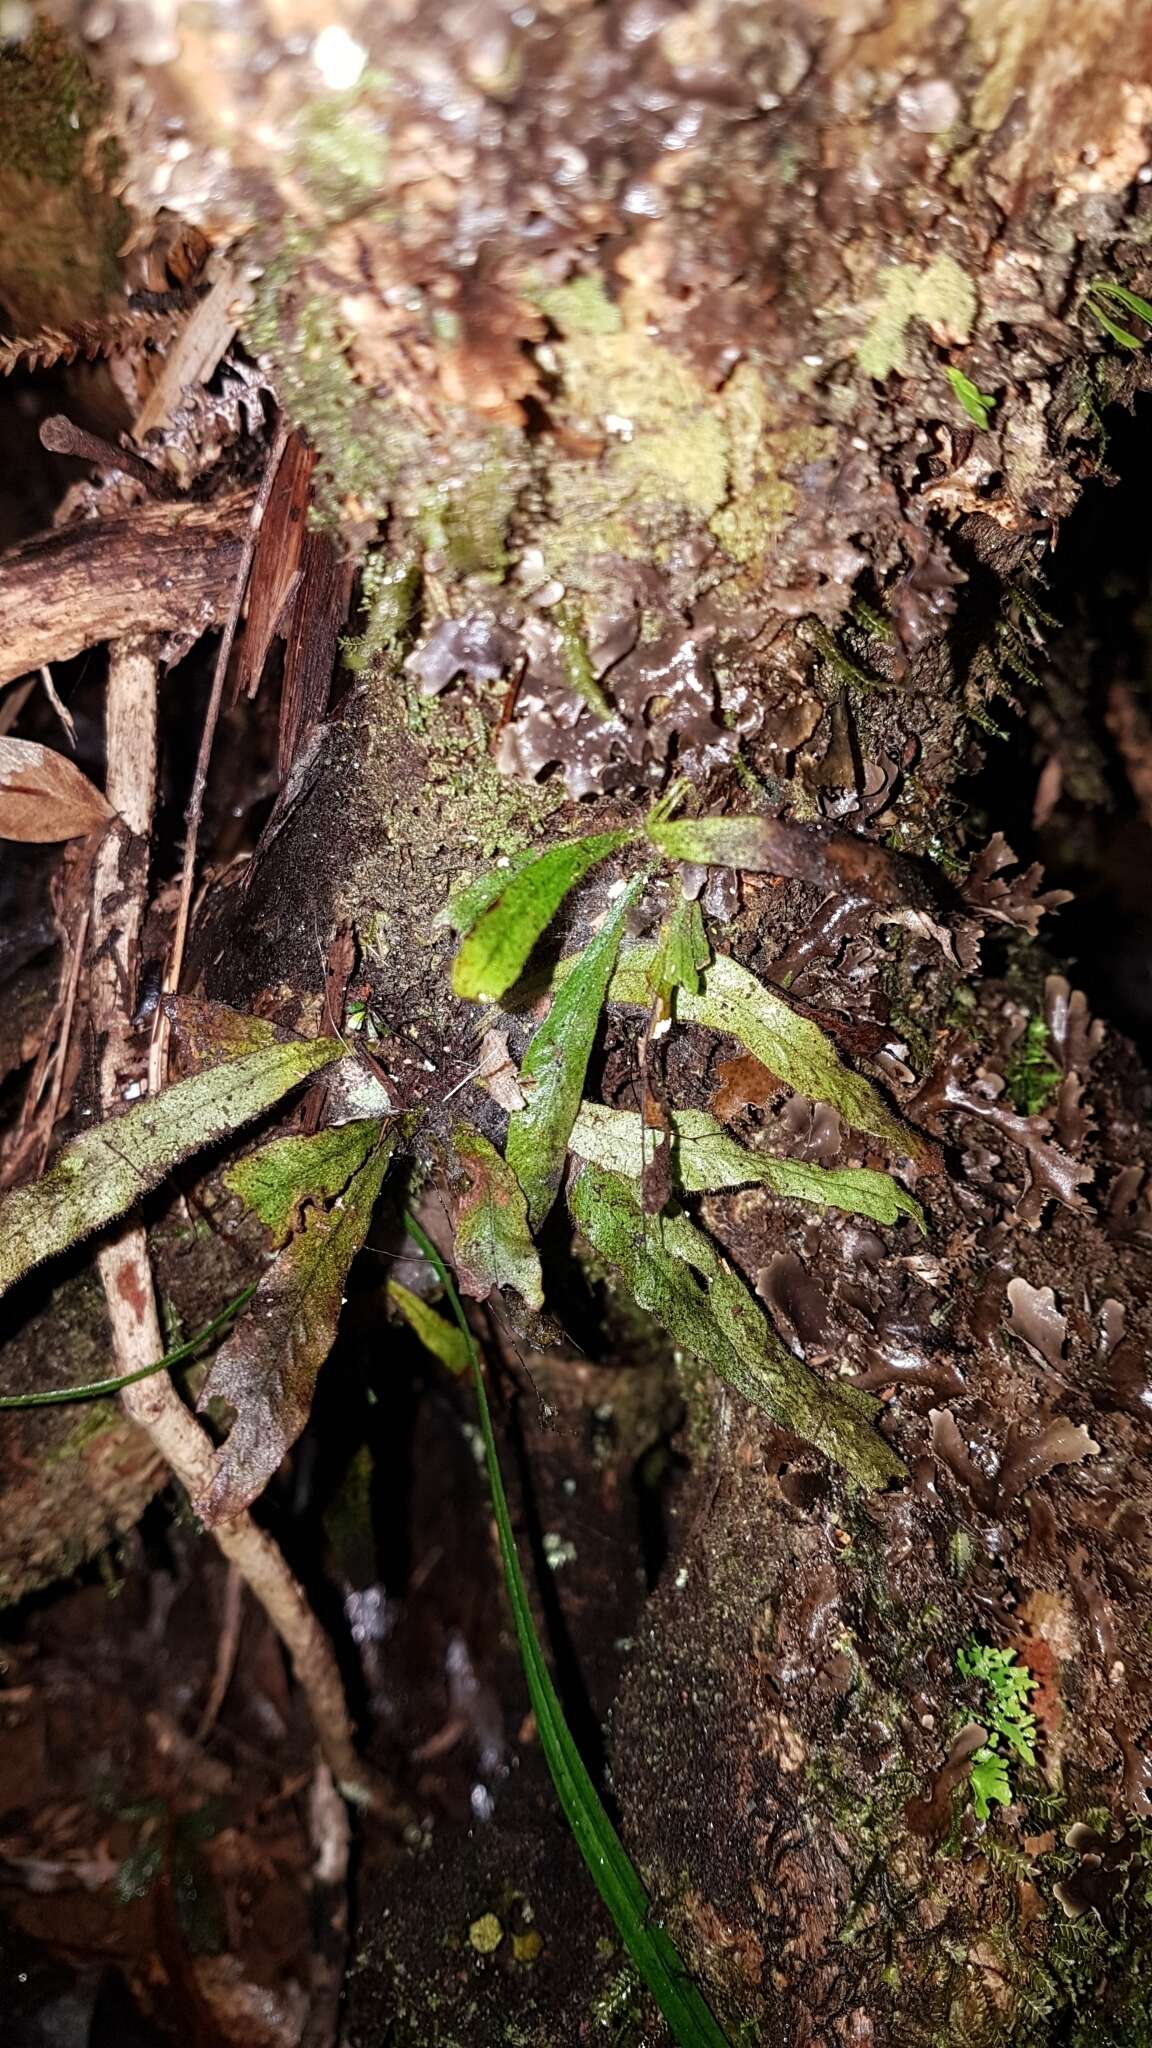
(790, 1046)
(442, 1338)
(268, 1368)
(557, 1061)
(705, 1157)
(650, 1947)
(103, 1173)
(494, 1246)
(503, 934)
(680, 1278)
(989, 1781)
(44, 797)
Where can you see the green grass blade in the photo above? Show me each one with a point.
(652, 1950)
(1131, 301)
(92, 1389)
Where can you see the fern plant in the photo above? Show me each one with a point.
(1010, 1721)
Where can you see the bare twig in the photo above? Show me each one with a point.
(14, 703)
(26, 1147)
(64, 1032)
(195, 810)
(119, 896)
(62, 436)
(226, 1648)
(331, 1843)
(58, 705)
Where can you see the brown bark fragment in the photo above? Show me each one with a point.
(162, 568)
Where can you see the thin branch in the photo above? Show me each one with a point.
(332, 1844)
(158, 1056)
(226, 1647)
(119, 897)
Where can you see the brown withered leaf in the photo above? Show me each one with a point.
(275, 570)
(845, 862)
(490, 369)
(1027, 1458)
(205, 1033)
(1016, 899)
(744, 1083)
(498, 1072)
(268, 1368)
(44, 797)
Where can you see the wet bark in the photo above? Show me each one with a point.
(623, 337)
(165, 568)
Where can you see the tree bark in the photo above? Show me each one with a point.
(711, 384)
(165, 568)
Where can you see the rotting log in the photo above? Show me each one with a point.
(161, 568)
(635, 326)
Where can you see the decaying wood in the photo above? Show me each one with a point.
(119, 898)
(821, 376)
(162, 568)
(257, 509)
(318, 612)
(276, 564)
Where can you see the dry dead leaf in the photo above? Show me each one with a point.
(498, 1072)
(44, 797)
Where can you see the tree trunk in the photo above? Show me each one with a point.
(707, 386)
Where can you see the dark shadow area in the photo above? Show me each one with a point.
(1070, 781)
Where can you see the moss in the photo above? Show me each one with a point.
(666, 455)
(1031, 1075)
(577, 662)
(676, 452)
(62, 223)
(96, 1417)
(353, 433)
(942, 294)
(453, 501)
(762, 457)
(389, 588)
(582, 307)
(1002, 40)
(48, 106)
(341, 155)
(465, 518)
(466, 803)
(1090, 1978)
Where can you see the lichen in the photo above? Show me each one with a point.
(581, 307)
(355, 437)
(341, 155)
(941, 294)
